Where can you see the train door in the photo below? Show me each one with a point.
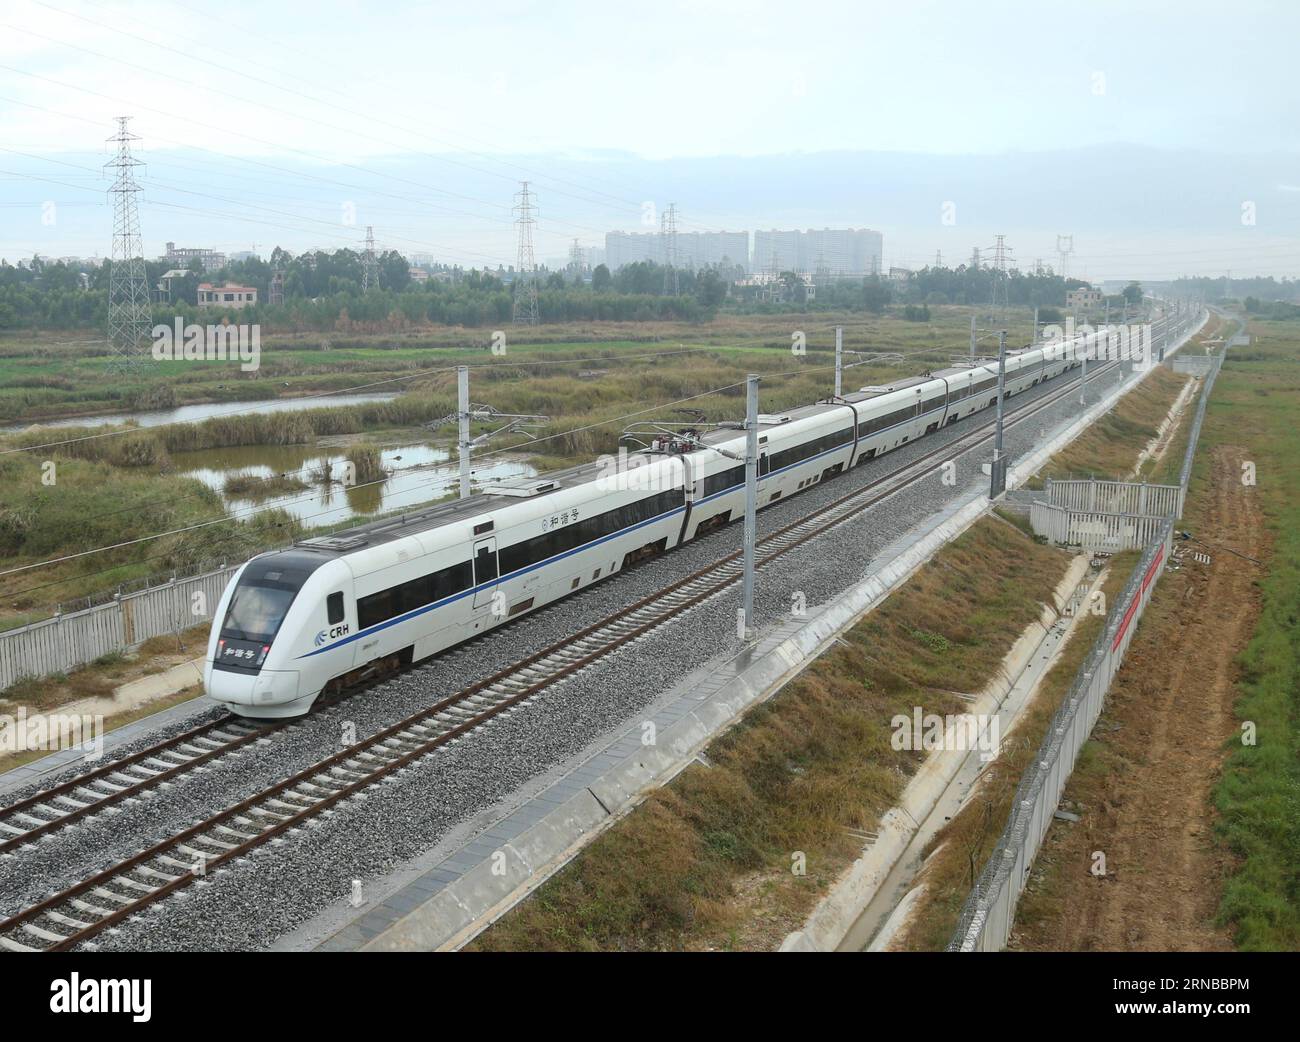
(485, 571)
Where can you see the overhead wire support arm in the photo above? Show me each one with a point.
(466, 413)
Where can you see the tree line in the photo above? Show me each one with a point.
(322, 291)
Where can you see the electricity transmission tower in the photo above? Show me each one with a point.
(277, 285)
(1064, 247)
(1001, 264)
(668, 233)
(128, 290)
(369, 263)
(577, 260)
(525, 310)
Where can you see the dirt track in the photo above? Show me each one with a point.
(1147, 805)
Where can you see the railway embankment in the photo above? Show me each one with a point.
(617, 778)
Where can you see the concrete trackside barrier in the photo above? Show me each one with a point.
(63, 642)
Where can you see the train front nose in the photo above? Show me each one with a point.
(267, 694)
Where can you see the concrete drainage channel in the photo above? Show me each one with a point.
(871, 900)
(443, 905)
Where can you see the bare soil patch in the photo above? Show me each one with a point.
(1143, 785)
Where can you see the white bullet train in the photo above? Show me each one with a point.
(334, 610)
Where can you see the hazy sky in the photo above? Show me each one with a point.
(422, 115)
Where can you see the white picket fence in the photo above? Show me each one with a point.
(1093, 530)
(1116, 497)
(66, 641)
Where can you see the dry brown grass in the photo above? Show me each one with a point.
(705, 862)
(959, 850)
(11, 760)
(256, 487)
(1110, 446)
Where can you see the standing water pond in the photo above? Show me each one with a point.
(416, 474)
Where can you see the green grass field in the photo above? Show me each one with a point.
(58, 376)
(1256, 403)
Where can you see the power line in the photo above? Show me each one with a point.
(262, 141)
(369, 117)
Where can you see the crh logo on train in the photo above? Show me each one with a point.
(51, 732)
(333, 633)
(221, 343)
(960, 732)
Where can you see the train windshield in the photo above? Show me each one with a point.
(256, 613)
(262, 600)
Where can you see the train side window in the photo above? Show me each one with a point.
(485, 565)
(334, 607)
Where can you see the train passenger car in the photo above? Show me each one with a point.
(336, 609)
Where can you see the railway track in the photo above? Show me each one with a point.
(97, 790)
(89, 794)
(108, 898)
